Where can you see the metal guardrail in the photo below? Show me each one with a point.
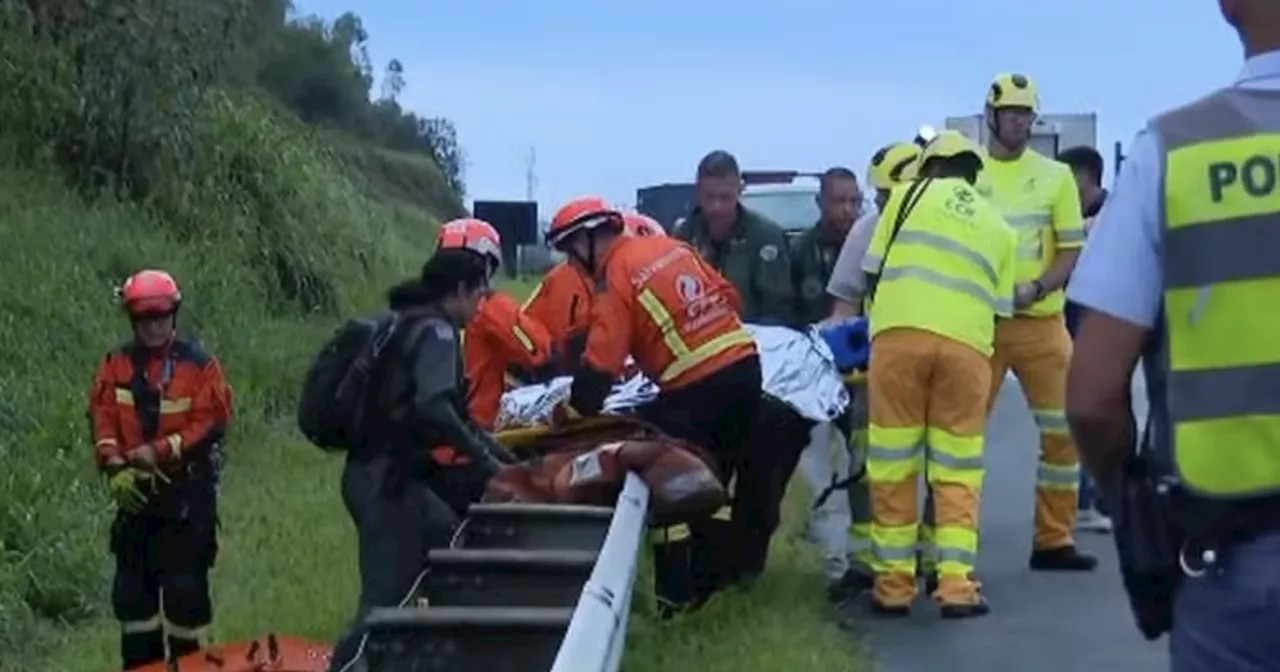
(597, 633)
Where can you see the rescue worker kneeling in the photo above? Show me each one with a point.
(659, 302)
(499, 336)
(403, 502)
(940, 269)
(160, 409)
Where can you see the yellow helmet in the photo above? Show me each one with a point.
(1013, 90)
(949, 144)
(893, 165)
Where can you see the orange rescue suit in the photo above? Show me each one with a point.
(499, 336)
(667, 308)
(185, 403)
(562, 303)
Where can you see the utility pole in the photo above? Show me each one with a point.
(530, 174)
(530, 189)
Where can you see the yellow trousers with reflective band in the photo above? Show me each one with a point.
(927, 404)
(1037, 350)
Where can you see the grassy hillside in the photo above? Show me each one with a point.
(265, 276)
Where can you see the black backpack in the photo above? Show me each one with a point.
(331, 408)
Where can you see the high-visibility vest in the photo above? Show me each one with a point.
(1221, 212)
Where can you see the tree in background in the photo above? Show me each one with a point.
(110, 89)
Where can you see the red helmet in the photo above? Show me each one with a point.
(581, 214)
(476, 235)
(150, 292)
(636, 224)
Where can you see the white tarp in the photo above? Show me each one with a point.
(798, 369)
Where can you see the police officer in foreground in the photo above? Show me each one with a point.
(159, 409)
(1178, 271)
(402, 501)
(744, 246)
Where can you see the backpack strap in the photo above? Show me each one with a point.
(909, 201)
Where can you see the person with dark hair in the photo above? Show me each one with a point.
(503, 342)
(814, 252)
(746, 247)
(403, 502)
(1086, 164)
(813, 257)
(940, 275)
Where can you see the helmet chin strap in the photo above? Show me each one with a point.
(993, 124)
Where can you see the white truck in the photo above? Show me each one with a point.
(1051, 133)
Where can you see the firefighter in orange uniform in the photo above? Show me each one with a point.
(562, 301)
(160, 409)
(657, 301)
(500, 336)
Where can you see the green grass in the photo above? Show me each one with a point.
(288, 566)
(267, 269)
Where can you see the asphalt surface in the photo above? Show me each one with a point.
(1039, 622)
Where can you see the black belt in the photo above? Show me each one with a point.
(1235, 523)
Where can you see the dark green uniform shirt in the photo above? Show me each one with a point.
(812, 260)
(756, 260)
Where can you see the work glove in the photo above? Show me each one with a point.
(127, 489)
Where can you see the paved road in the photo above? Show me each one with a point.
(1039, 621)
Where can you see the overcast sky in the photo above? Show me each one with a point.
(616, 95)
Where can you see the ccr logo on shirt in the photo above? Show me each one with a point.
(689, 288)
(700, 309)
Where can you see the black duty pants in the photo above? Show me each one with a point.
(398, 520)
(163, 557)
(777, 438)
(693, 560)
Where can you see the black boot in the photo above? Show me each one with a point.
(895, 611)
(955, 611)
(849, 586)
(141, 649)
(1062, 559)
(181, 646)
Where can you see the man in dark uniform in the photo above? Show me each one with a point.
(814, 252)
(813, 258)
(407, 485)
(745, 247)
(159, 409)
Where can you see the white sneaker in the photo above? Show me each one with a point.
(1090, 520)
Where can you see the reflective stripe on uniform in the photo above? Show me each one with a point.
(1221, 208)
(124, 397)
(932, 276)
(525, 341)
(684, 357)
(183, 632)
(175, 444)
(141, 626)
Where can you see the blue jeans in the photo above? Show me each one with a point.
(1085, 500)
(1227, 620)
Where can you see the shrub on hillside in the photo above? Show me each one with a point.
(131, 102)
